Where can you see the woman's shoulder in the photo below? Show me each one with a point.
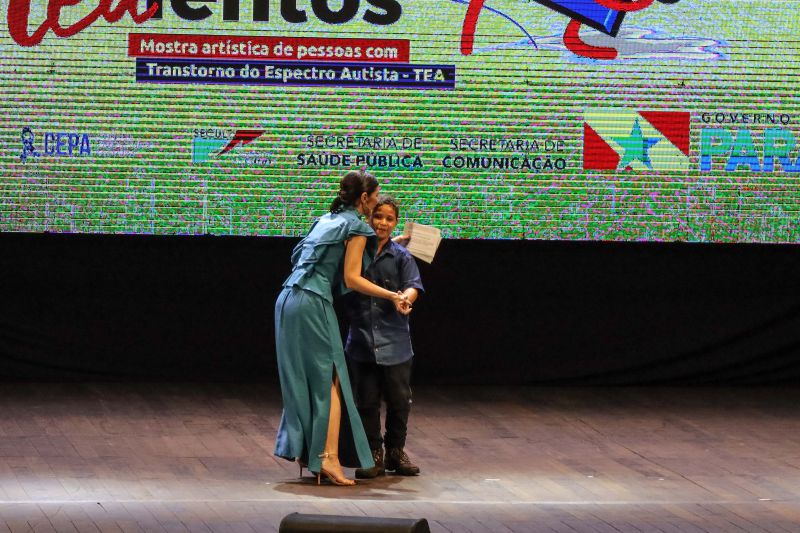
(354, 224)
(332, 227)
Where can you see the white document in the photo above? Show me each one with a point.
(423, 241)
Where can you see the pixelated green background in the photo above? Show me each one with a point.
(507, 89)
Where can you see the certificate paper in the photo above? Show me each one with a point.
(423, 240)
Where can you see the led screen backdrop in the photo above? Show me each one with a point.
(543, 119)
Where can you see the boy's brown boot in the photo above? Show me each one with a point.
(375, 471)
(397, 460)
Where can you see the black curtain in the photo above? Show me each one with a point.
(122, 307)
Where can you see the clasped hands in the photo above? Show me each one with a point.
(401, 303)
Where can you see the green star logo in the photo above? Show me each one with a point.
(639, 141)
(636, 146)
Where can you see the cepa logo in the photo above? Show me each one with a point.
(28, 149)
(56, 143)
(628, 140)
(211, 143)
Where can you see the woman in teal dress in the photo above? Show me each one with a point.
(313, 373)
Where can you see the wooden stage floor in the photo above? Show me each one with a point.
(166, 457)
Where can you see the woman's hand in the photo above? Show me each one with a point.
(401, 303)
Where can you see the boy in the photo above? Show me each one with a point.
(378, 348)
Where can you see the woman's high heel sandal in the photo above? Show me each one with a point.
(341, 481)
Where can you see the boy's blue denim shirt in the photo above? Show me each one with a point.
(378, 333)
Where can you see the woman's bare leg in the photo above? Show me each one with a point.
(335, 419)
(330, 460)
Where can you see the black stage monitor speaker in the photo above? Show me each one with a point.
(320, 523)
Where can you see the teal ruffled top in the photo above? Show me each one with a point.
(317, 260)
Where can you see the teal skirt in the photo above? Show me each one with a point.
(309, 348)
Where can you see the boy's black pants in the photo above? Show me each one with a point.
(391, 383)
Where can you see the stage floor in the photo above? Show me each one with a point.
(166, 457)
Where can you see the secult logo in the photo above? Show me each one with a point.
(215, 142)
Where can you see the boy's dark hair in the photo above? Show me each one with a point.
(385, 199)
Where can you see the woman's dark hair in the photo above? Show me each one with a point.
(351, 186)
(385, 199)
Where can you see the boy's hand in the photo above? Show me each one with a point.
(401, 303)
(402, 240)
